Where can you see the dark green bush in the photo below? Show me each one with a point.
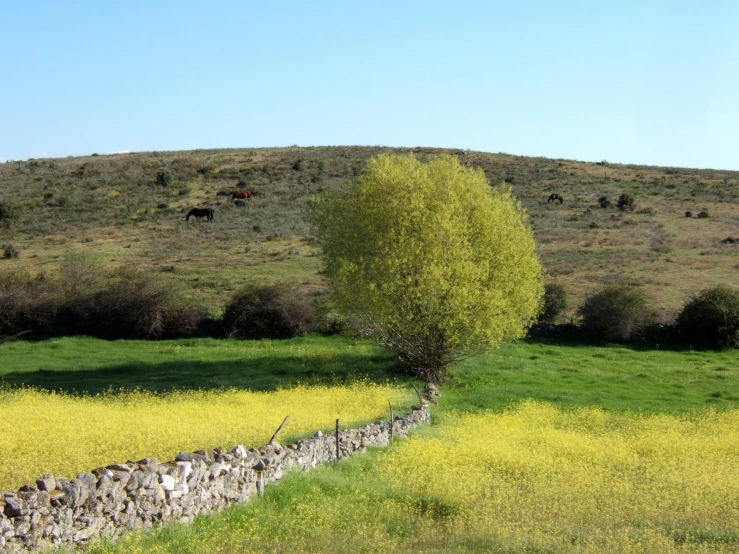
(25, 303)
(711, 319)
(83, 299)
(604, 203)
(10, 251)
(271, 311)
(164, 178)
(625, 203)
(555, 302)
(617, 313)
(703, 214)
(138, 304)
(327, 320)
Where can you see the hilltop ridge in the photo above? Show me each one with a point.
(116, 207)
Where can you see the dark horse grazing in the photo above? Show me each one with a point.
(554, 197)
(200, 212)
(242, 195)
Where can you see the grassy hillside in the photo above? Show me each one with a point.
(114, 206)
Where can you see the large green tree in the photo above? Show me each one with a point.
(430, 259)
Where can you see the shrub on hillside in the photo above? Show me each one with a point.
(271, 311)
(617, 313)
(10, 251)
(604, 202)
(164, 178)
(703, 214)
(711, 319)
(25, 303)
(137, 304)
(625, 203)
(555, 302)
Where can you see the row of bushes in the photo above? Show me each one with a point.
(82, 298)
(620, 313)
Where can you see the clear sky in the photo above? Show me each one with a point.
(647, 82)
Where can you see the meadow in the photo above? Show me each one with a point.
(539, 446)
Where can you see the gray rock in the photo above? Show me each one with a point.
(167, 482)
(75, 493)
(127, 468)
(46, 482)
(13, 506)
(259, 466)
(87, 478)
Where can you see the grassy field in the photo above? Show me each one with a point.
(539, 446)
(113, 207)
(519, 456)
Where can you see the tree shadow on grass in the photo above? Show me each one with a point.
(259, 374)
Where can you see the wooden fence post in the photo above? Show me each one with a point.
(338, 452)
(391, 421)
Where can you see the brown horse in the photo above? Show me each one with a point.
(242, 195)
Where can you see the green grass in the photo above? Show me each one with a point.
(611, 377)
(565, 374)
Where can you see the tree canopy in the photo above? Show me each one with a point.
(430, 259)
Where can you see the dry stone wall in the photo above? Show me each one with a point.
(110, 500)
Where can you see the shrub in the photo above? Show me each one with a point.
(137, 304)
(10, 251)
(164, 178)
(555, 302)
(702, 214)
(271, 311)
(604, 203)
(711, 319)
(25, 303)
(4, 211)
(625, 203)
(328, 320)
(688, 214)
(617, 313)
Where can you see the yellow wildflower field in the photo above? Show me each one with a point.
(63, 434)
(538, 479)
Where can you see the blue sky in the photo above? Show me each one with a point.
(651, 82)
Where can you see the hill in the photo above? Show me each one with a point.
(129, 209)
